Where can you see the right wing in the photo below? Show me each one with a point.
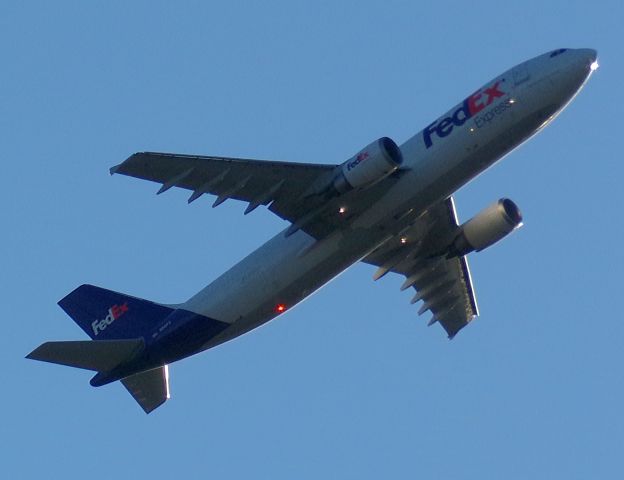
(443, 284)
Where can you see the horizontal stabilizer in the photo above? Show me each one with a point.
(98, 355)
(150, 389)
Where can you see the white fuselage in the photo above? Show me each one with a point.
(440, 159)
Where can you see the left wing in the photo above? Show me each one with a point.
(296, 192)
(443, 284)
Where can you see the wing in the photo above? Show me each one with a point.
(443, 284)
(296, 192)
(282, 184)
(150, 389)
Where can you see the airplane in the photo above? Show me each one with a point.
(389, 206)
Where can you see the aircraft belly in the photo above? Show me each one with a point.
(286, 270)
(279, 279)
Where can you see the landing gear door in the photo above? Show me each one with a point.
(520, 74)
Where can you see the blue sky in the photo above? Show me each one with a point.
(351, 383)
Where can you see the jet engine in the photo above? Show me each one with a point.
(486, 228)
(370, 165)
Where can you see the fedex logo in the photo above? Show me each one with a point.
(114, 313)
(359, 159)
(469, 108)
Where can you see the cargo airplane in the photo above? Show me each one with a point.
(389, 206)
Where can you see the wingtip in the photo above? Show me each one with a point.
(113, 170)
(30, 355)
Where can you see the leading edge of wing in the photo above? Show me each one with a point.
(122, 167)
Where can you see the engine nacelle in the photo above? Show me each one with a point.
(370, 165)
(487, 227)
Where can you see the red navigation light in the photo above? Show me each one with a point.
(280, 308)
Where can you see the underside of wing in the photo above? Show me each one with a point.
(442, 284)
(296, 192)
(258, 182)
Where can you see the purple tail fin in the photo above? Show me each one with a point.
(107, 315)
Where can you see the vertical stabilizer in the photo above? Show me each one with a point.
(107, 315)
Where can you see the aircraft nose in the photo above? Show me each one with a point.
(587, 58)
(572, 72)
(582, 63)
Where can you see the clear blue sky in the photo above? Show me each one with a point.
(351, 384)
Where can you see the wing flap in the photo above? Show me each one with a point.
(150, 388)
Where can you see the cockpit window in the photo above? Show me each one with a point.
(557, 52)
